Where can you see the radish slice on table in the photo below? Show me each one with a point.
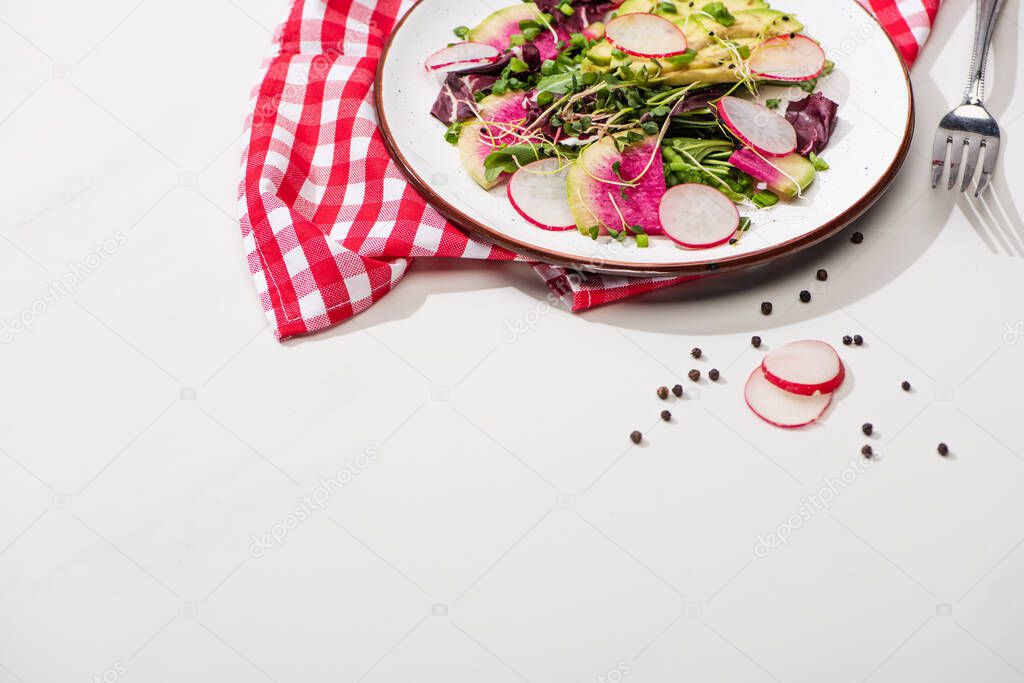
(757, 126)
(537, 191)
(646, 35)
(697, 216)
(804, 367)
(462, 56)
(780, 407)
(785, 58)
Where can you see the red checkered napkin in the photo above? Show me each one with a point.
(329, 222)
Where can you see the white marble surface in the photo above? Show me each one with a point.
(499, 526)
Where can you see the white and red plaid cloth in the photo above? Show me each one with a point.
(329, 222)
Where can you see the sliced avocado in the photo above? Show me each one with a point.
(636, 6)
(755, 23)
(716, 74)
(601, 53)
(795, 175)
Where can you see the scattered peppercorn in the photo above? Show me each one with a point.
(666, 416)
(847, 340)
(766, 307)
(694, 375)
(678, 390)
(696, 352)
(857, 237)
(805, 296)
(714, 374)
(636, 437)
(822, 274)
(858, 340)
(905, 385)
(662, 393)
(755, 341)
(943, 450)
(867, 451)
(867, 428)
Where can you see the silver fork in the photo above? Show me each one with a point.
(969, 128)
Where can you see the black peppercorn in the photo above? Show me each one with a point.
(666, 416)
(943, 450)
(662, 393)
(905, 385)
(678, 390)
(822, 274)
(847, 340)
(636, 437)
(867, 451)
(694, 375)
(867, 428)
(805, 296)
(714, 374)
(755, 341)
(696, 352)
(857, 238)
(858, 340)
(766, 307)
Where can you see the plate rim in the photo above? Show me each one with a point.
(614, 267)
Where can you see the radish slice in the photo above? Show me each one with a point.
(462, 56)
(758, 127)
(537, 191)
(646, 35)
(781, 408)
(804, 367)
(697, 216)
(788, 59)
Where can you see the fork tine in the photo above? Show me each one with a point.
(939, 148)
(956, 155)
(972, 161)
(988, 167)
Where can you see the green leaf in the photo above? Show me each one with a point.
(461, 32)
(512, 158)
(818, 163)
(683, 59)
(772, 103)
(558, 84)
(666, 8)
(720, 13)
(518, 66)
(451, 135)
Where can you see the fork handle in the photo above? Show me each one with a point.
(988, 11)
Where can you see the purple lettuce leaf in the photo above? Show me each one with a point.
(699, 99)
(814, 119)
(455, 102)
(585, 12)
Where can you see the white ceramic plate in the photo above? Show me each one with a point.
(870, 83)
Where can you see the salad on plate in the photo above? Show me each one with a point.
(638, 118)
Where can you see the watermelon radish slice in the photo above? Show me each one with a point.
(646, 35)
(804, 367)
(462, 56)
(498, 28)
(697, 216)
(785, 58)
(781, 408)
(537, 192)
(596, 192)
(757, 126)
(478, 139)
